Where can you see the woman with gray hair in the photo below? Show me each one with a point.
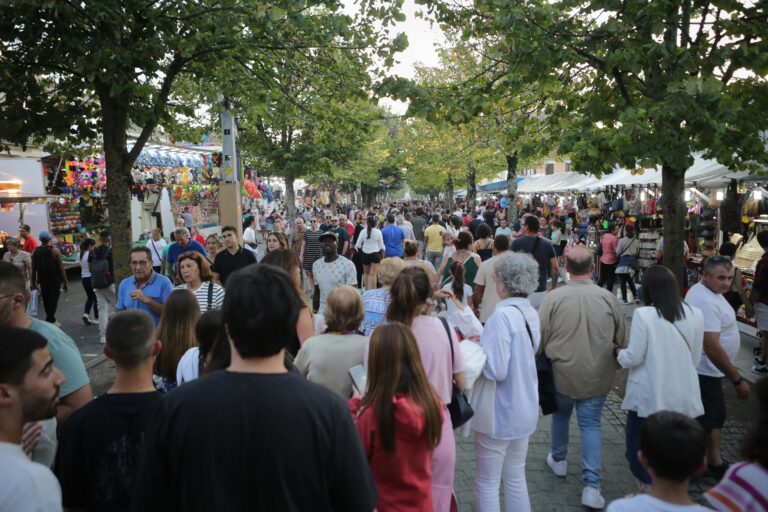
(502, 427)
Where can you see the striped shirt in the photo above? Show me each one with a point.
(201, 294)
(312, 249)
(743, 488)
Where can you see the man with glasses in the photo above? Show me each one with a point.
(182, 244)
(721, 345)
(328, 224)
(146, 290)
(232, 258)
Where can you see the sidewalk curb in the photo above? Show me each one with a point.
(95, 361)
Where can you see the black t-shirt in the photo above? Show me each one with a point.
(226, 263)
(239, 441)
(473, 225)
(543, 254)
(99, 450)
(343, 237)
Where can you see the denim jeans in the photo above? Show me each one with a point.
(588, 413)
(435, 258)
(632, 436)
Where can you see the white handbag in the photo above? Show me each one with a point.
(465, 320)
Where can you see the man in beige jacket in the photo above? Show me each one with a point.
(581, 324)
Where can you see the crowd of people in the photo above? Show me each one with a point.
(332, 368)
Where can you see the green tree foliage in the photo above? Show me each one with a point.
(632, 83)
(82, 70)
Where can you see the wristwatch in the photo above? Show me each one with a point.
(737, 381)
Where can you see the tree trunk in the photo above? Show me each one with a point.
(118, 168)
(471, 186)
(511, 188)
(449, 188)
(672, 189)
(290, 198)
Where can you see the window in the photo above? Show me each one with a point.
(567, 166)
(549, 168)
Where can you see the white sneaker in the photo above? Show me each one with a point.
(559, 468)
(591, 498)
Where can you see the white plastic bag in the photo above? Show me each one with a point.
(474, 361)
(34, 295)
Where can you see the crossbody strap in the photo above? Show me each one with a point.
(685, 340)
(210, 294)
(155, 249)
(527, 327)
(450, 343)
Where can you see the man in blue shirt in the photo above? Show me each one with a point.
(183, 244)
(146, 290)
(393, 238)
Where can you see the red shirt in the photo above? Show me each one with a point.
(199, 238)
(608, 244)
(29, 245)
(403, 479)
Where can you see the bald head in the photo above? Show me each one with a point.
(579, 261)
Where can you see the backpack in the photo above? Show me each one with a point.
(100, 275)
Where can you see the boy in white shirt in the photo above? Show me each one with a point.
(672, 450)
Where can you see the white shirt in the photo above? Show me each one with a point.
(249, 235)
(370, 245)
(719, 317)
(156, 248)
(511, 364)
(465, 297)
(662, 364)
(408, 231)
(647, 503)
(330, 275)
(25, 485)
(85, 269)
(188, 367)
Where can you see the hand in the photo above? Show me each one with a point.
(139, 296)
(30, 436)
(66, 287)
(474, 338)
(742, 390)
(442, 294)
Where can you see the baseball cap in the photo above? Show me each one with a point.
(327, 234)
(44, 235)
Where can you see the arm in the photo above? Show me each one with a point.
(72, 402)
(60, 264)
(554, 271)
(424, 244)
(719, 358)
(301, 252)
(346, 246)
(477, 296)
(634, 354)
(460, 379)
(28, 266)
(304, 327)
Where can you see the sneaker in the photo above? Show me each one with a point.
(624, 302)
(756, 353)
(86, 319)
(558, 467)
(760, 368)
(591, 498)
(57, 323)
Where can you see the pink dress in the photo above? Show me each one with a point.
(436, 358)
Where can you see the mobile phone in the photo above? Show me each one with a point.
(359, 378)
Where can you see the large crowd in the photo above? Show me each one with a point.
(328, 360)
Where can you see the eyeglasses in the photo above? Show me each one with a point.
(335, 221)
(139, 263)
(6, 296)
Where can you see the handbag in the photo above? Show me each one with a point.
(546, 380)
(459, 408)
(34, 295)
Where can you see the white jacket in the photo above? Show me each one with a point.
(662, 364)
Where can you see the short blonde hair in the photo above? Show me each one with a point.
(389, 268)
(344, 309)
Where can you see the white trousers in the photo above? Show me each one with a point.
(105, 298)
(501, 460)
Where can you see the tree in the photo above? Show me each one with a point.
(77, 70)
(641, 83)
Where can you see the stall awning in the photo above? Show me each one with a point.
(22, 198)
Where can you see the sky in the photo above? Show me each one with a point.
(422, 38)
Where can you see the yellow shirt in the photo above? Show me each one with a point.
(435, 234)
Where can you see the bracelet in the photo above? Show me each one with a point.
(737, 381)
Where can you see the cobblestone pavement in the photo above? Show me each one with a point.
(550, 493)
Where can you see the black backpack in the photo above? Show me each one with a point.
(101, 277)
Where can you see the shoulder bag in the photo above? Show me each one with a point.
(546, 380)
(459, 408)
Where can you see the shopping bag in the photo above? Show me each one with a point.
(34, 295)
(474, 361)
(465, 320)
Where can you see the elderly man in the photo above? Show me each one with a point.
(182, 244)
(581, 324)
(147, 290)
(406, 226)
(721, 345)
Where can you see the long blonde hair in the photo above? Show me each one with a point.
(176, 331)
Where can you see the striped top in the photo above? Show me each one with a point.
(743, 488)
(201, 294)
(312, 249)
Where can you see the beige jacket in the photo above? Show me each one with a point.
(580, 325)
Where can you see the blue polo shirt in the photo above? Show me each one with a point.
(393, 240)
(158, 288)
(176, 250)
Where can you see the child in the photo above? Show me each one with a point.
(672, 450)
(399, 421)
(461, 291)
